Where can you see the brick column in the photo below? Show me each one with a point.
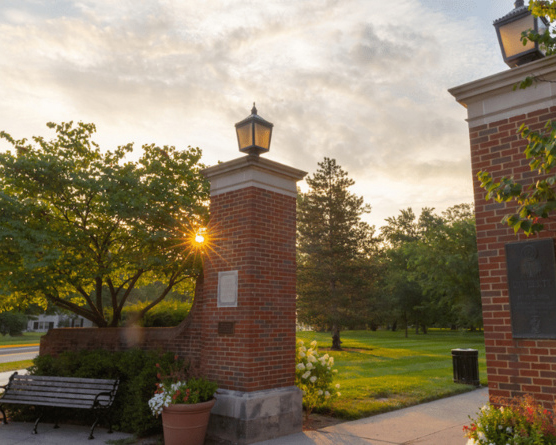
(249, 298)
(515, 366)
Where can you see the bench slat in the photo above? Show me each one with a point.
(29, 383)
(42, 389)
(62, 379)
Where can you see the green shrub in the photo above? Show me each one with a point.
(12, 323)
(164, 314)
(136, 370)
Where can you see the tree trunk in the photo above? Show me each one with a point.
(336, 343)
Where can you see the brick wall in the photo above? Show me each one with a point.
(184, 340)
(515, 367)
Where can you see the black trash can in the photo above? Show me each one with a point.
(466, 366)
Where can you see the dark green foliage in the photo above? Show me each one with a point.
(81, 227)
(12, 323)
(164, 314)
(136, 370)
(335, 264)
(432, 269)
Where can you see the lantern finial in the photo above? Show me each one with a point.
(254, 109)
(519, 3)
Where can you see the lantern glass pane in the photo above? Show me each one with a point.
(262, 136)
(511, 36)
(245, 135)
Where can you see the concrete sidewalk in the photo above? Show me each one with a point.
(434, 423)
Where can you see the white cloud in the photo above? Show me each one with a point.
(362, 81)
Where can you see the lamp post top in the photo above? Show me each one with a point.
(519, 11)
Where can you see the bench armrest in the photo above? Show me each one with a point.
(110, 394)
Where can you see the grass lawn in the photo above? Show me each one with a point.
(25, 339)
(28, 338)
(14, 366)
(382, 371)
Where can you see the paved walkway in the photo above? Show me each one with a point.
(434, 423)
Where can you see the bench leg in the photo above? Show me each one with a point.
(4, 419)
(36, 424)
(91, 437)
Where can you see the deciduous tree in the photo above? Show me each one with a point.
(77, 222)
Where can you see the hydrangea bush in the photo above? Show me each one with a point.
(314, 375)
(522, 422)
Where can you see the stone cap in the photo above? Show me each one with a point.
(493, 98)
(253, 171)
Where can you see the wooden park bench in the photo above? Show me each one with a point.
(60, 392)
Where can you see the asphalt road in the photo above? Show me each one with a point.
(18, 353)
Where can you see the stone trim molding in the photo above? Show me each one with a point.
(493, 98)
(253, 171)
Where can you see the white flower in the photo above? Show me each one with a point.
(314, 344)
(326, 395)
(311, 358)
(307, 374)
(320, 392)
(313, 379)
(325, 356)
(302, 354)
(331, 361)
(337, 386)
(300, 366)
(310, 365)
(509, 430)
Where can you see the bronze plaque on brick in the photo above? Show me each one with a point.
(226, 327)
(532, 288)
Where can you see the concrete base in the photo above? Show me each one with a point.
(249, 417)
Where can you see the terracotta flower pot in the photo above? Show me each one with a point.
(186, 424)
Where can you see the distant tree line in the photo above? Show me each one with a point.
(419, 271)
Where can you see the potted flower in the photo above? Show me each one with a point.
(185, 403)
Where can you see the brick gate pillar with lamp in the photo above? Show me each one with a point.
(249, 296)
(517, 273)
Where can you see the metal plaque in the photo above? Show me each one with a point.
(532, 288)
(227, 289)
(226, 328)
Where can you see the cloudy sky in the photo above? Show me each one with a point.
(361, 81)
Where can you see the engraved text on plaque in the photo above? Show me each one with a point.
(532, 288)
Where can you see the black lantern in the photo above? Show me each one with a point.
(509, 29)
(253, 134)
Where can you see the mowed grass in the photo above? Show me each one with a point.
(383, 371)
(26, 339)
(14, 366)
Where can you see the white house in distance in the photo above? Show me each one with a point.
(43, 322)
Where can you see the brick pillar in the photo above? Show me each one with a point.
(516, 364)
(249, 300)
